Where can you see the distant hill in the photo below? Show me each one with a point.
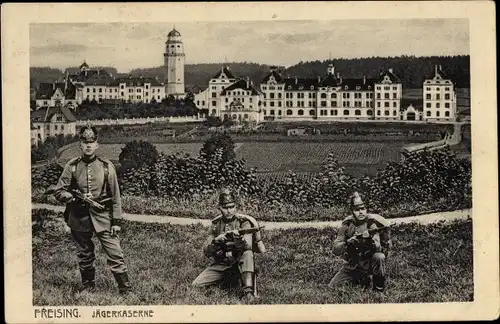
(412, 70)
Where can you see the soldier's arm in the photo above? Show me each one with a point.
(339, 243)
(209, 247)
(376, 238)
(62, 187)
(116, 212)
(247, 239)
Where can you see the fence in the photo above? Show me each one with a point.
(138, 121)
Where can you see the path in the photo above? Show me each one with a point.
(422, 219)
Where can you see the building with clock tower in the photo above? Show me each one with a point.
(174, 64)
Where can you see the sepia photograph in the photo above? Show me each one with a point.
(250, 162)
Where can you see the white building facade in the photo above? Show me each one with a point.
(440, 99)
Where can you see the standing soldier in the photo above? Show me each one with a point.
(359, 242)
(233, 241)
(86, 180)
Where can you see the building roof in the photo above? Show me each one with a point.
(350, 84)
(46, 90)
(301, 84)
(195, 89)
(243, 85)
(138, 81)
(84, 65)
(44, 114)
(329, 81)
(438, 71)
(277, 77)
(70, 91)
(224, 70)
(393, 77)
(174, 33)
(101, 80)
(83, 76)
(418, 104)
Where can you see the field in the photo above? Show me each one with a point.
(295, 270)
(357, 157)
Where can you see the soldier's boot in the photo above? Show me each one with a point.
(364, 281)
(124, 286)
(88, 280)
(378, 283)
(247, 283)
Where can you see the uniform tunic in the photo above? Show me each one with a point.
(89, 178)
(354, 271)
(243, 256)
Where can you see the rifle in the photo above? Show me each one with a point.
(82, 198)
(362, 248)
(224, 248)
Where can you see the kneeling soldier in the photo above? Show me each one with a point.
(234, 240)
(359, 242)
(89, 187)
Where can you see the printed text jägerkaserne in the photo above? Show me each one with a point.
(121, 313)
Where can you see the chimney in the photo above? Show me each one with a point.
(319, 79)
(331, 69)
(364, 79)
(341, 80)
(248, 82)
(98, 70)
(296, 80)
(338, 75)
(390, 70)
(435, 69)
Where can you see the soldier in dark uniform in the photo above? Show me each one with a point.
(354, 231)
(241, 255)
(96, 178)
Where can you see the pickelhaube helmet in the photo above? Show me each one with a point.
(88, 134)
(226, 198)
(356, 201)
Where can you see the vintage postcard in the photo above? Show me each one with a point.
(249, 162)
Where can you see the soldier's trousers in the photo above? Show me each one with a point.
(110, 245)
(375, 266)
(216, 271)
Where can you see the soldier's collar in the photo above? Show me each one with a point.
(88, 159)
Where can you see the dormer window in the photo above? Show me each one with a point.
(438, 82)
(312, 87)
(358, 87)
(369, 87)
(346, 87)
(289, 88)
(301, 87)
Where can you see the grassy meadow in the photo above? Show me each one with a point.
(427, 264)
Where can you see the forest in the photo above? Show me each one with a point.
(411, 69)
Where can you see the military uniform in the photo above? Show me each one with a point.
(241, 255)
(359, 270)
(95, 177)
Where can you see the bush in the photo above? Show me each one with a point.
(136, 154)
(219, 141)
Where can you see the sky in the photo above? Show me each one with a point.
(126, 46)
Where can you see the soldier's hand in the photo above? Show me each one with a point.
(366, 234)
(352, 239)
(115, 229)
(67, 197)
(221, 238)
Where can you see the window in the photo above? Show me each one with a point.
(139, 90)
(428, 114)
(289, 112)
(300, 112)
(386, 96)
(279, 95)
(428, 88)
(428, 96)
(122, 86)
(378, 88)
(147, 94)
(271, 104)
(271, 112)
(447, 114)
(88, 89)
(357, 112)
(323, 95)
(438, 96)
(346, 112)
(394, 104)
(279, 103)
(378, 112)
(447, 89)
(386, 112)
(334, 104)
(334, 96)
(62, 127)
(264, 87)
(428, 105)
(386, 104)
(447, 96)
(214, 95)
(214, 103)
(93, 90)
(369, 112)
(394, 95)
(227, 99)
(264, 111)
(271, 95)
(438, 105)
(378, 95)
(378, 104)
(447, 105)
(323, 103)
(394, 88)
(437, 113)
(312, 112)
(394, 113)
